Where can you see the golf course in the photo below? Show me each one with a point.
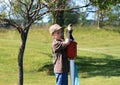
(98, 56)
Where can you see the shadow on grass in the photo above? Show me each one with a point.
(90, 67)
(47, 67)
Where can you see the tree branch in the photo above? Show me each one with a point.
(23, 3)
(35, 18)
(70, 9)
(34, 11)
(30, 6)
(14, 24)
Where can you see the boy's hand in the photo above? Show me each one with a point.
(67, 41)
(69, 27)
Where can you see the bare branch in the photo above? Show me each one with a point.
(14, 24)
(35, 18)
(30, 6)
(89, 4)
(23, 13)
(36, 10)
(23, 3)
(84, 12)
(70, 9)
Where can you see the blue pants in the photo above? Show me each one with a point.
(61, 78)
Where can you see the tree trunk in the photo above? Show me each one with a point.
(23, 36)
(98, 20)
(58, 18)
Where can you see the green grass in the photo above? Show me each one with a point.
(98, 57)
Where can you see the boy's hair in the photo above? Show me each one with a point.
(53, 28)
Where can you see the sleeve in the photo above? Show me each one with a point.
(58, 46)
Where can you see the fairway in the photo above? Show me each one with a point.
(98, 57)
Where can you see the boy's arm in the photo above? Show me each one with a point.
(69, 32)
(58, 45)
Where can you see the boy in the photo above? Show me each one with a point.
(60, 61)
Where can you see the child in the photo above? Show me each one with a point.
(60, 60)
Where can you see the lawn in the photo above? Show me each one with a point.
(98, 57)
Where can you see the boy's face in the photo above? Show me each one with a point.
(57, 34)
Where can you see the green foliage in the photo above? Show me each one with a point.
(3, 14)
(104, 7)
(15, 8)
(71, 18)
(113, 16)
(82, 19)
(105, 4)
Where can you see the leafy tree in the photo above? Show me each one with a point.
(114, 16)
(103, 6)
(70, 17)
(63, 8)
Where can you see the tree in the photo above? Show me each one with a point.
(58, 14)
(71, 17)
(21, 14)
(113, 16)
(63, 8)
(70, 9)
(103, 6)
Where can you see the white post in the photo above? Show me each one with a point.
(72, 75)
